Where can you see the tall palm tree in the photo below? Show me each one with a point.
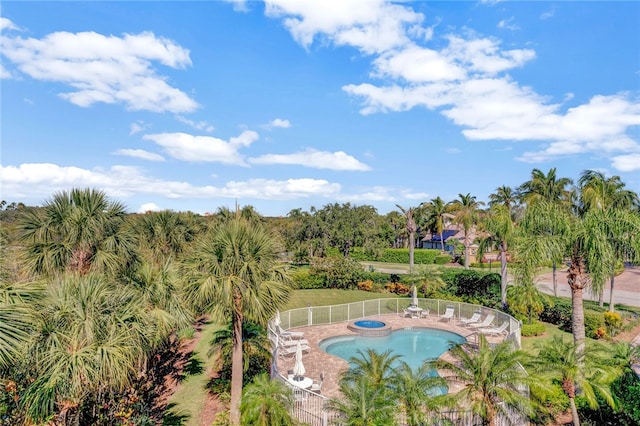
(416, 391)
(501, 229)
(233, 274)
(466, 214)
(587, 372)
(410, 226)
(492, 378)
(266, 402)
(505, 196)
(598, 192)
(436, 210)
(80, 231)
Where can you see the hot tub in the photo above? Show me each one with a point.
(367, 327)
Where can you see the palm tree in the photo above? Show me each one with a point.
(378, 367)
(548, 231)
(416, 391)
(363, 403)
(233, 274)
(165, 234)
(501, 228)
(526, 298)
(600, 193)
(16, 318)
(266, 402)
(79, 231)
(410, 226)
(493, 379)
(255, 345)
(504, 196)
(561, 363)
(466, 215)
(551, 189)
(436, 210)
(88, 337)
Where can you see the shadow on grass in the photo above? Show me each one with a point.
(192, 367)
(171, 418)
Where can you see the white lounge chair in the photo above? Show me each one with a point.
(291, 349)
(292, 342)
(289, 334)
(448, 314)
(486, 322)
(495, 331)
(468, 321)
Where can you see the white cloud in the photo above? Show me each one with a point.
(383, 194)
(186, 147)
(279, 122)
(107, 69)
(239, 5)
(5, 73)
(29, 181)
(548, 14)
(316, 159)
(626, 163)
(149, 207)
(508, 24)
(137, 127)
(198, 125)
(453, 150)
(371, 25)
(139, 153)
(7, 25)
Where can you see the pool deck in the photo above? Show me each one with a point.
(316, 360)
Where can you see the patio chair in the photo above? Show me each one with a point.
(485, 323)
(287, 350)
(289, 334)
(475, 318)
(299, 395)
(317, 384)
(448, 314)
(424, 313)
(292, 342)
(495, 331)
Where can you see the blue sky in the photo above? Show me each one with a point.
(291, 104)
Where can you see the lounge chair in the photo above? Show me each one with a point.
(289, 334)
(292, 342)
(485, 323)
(468, 321)
(291, 349)
(448, 314)
(495, 331)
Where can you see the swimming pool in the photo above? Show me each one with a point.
(370, 324)
(414, 345)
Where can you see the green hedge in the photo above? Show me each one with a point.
(420, 256)
(535, 329)
(442, 259)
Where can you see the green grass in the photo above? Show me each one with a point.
(529, 343)
(187, 403)
(324, 297)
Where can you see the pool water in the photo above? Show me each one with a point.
(414, 345)
(369, 324)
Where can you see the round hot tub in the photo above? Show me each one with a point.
(366, 327)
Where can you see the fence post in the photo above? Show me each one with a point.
(309, 314)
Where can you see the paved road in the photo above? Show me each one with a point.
(626, 287)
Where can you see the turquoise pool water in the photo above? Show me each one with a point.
(369, 324)
(415, 345)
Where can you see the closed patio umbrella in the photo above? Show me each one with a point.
(414, 289)
(276, 319)
(298, 367)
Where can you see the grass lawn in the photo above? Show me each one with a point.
(187, 403)
(324, 297)
(529, 343)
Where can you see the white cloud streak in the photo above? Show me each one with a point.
(315, 159)
(186, 147)
(140, 153)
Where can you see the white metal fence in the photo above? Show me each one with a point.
(311, 408)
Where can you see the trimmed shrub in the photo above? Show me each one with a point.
(594, 324)
(558, 313)
(442, 259)
(303, 279)
(397, 288)
(365, 285)
(613, 322)
(535, 329)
